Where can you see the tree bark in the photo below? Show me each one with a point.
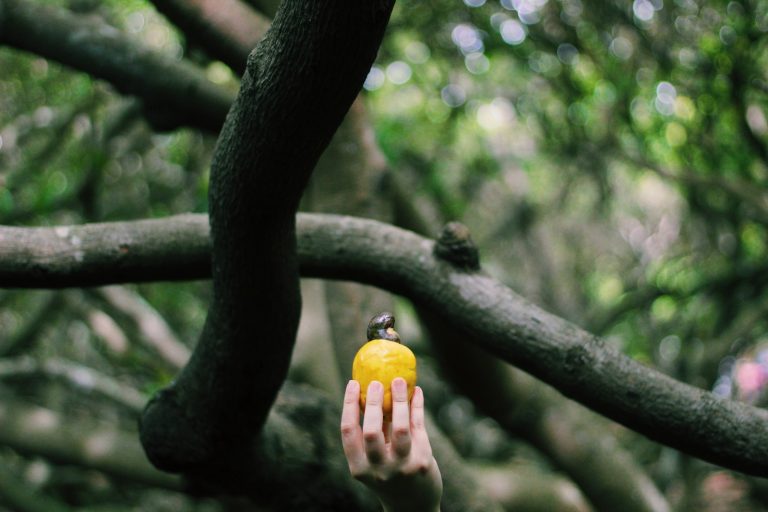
(581, 443)
(298, 85)
(574, 439)
(573, 361)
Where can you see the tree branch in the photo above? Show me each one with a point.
(573, 438)
(165, 85)
(579, 365)
(299, 82)
(153, 328)
(228, 29)
(75, 375)
(35, 430)
(176, 248)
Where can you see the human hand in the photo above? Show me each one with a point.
(397, 465)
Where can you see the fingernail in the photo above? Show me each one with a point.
(352, 385)
(375, 387)
(399, 388)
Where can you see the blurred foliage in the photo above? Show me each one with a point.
(609, 157)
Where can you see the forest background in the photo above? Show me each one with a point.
(608, 158)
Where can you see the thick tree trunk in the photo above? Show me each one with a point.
(298, 85)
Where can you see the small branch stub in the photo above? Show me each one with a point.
(455, 246)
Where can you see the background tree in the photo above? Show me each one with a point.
(525, 120)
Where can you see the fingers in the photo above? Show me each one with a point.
(373, 436)
(401, 425)
(351, 434)
(417, 410)
(418, 429)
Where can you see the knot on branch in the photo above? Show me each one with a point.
(455, 246)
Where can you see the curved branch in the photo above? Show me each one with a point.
(165, 85)
(579, 365)
(576, 440)
(298, 84)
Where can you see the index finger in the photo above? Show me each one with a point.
(351, 433)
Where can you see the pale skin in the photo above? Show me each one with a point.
(397, 466)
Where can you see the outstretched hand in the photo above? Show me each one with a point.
(397, 465)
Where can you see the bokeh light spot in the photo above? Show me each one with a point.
(453, 95)
(477, 63)
(467, 38)
(375, 79)
(567, 53)
(622, 48)
(643, 10)
(399, 72)
(665, 98)
(512, 32)
(417, 52)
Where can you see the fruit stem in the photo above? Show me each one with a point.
(381, 327)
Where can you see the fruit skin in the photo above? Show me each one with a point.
(383, 360)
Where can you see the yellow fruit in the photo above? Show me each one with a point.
(383, 360)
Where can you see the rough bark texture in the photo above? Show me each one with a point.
(297, 463)
(108, 253)
(582, 445)
(347, 181)
(298, 85)
(573, 361)
(574, 439)
(165, 85)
